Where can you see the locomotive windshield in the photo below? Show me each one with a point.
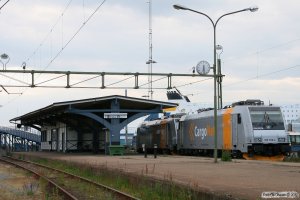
(267, 120)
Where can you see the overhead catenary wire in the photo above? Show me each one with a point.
(74, 35)
(276, 46)
(152, 81)
(85, 80)
(50, 32)
(262, 75)
(120, 81)
(12, 78)
(252, 78)
(257, 76)
(255, 53)
(4, 4)
(191, 83)
(262, 50)
(51, 79)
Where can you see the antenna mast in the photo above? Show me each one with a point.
(150, 61)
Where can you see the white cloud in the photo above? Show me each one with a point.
(116, 39)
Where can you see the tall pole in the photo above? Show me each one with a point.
(150, 62)
(150, 92)
(219, 73)
(215, 100)
(252, 9)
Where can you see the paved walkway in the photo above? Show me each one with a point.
(240, 178)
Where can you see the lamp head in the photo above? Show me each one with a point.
(179, 7)
(253, 9)
(23, 65)
(219, 47)
(4, 56)
(150, 61)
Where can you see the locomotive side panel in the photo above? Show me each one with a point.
(143, 137)
(172, 132)
(199, 133)
(241, 128)
(160, 133)
(238, 133)
(227, 129)
(162, 142)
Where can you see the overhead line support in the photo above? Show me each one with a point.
(103, 75)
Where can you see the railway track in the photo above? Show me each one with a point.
(68, 185)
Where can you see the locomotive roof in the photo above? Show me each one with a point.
(156, 122)
(237, 108)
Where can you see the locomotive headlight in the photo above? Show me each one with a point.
(281, 139)
(257, 139)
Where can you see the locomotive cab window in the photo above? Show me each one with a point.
(267, 120)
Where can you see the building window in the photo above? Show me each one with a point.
(54, 134)
(44, 136)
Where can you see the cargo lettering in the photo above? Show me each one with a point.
(200, 132)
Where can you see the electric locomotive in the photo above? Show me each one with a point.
(246, 128)
(160, 132)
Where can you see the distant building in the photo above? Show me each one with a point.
(126, 139)
(291, 113)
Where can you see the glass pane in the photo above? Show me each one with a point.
(293, 138)
(267, 120)
(296, 127)
(298, 139)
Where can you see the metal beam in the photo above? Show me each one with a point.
(101, 75)
(92, 116)
(109, 110)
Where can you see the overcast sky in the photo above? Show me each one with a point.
(260, 59)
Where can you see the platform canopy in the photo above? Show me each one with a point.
(111, 112)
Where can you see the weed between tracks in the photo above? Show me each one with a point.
(291, 159)
(139, 186)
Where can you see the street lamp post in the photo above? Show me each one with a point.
(252, 9)
(4, 57)
(219, 73)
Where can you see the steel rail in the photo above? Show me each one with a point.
(67, 194)
(118, 193)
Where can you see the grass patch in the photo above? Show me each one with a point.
(291, 159)
(140, 186)
(30, 188)
(226, 155)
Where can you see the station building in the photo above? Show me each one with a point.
(291, 113)
(89, 124)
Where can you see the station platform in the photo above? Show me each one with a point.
(242, 179)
